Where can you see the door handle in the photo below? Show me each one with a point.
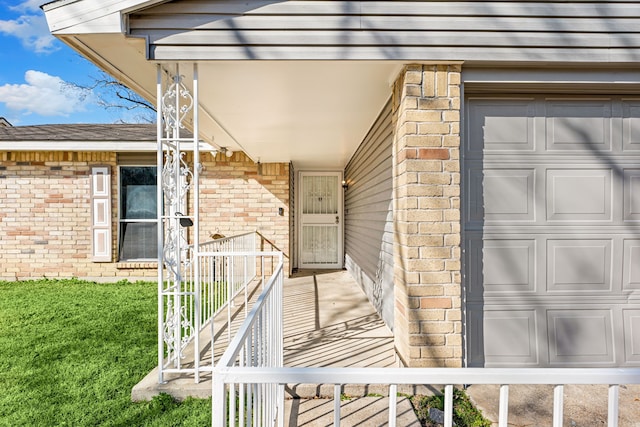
(337, 219)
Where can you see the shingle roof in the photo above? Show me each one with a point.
(80, 132)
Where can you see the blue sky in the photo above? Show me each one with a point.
(35, 67)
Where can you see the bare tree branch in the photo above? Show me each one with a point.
(114, 95)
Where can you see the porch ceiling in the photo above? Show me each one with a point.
(312, 113)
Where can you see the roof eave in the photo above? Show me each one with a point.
(91, 16)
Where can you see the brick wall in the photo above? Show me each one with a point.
(45, 214)
(45, 211)
(427, 322)
(239, 196)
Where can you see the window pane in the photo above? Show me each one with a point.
(138, 193)
(138, 240)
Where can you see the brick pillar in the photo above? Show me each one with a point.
(426, 151)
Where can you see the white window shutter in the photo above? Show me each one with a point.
(101, 213)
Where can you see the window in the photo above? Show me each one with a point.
(138, 231)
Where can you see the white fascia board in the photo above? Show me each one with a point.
(91, 16)
(93, 146)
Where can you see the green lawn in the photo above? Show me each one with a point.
(70, 352)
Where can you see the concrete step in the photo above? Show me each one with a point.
(183, 386)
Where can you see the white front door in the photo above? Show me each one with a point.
(320, 232)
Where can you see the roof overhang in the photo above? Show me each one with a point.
(311, 113)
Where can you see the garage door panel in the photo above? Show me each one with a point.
(509, 266)
(631, 264)
(475, 341)
(631, 195)
(578, 337)
(474, 266)
(631, 125)
(578, 126)
(579, 195)
(510, 337)
(509, 194)
(474, 197)
(578, 265)
(632, 336)
(501, 125)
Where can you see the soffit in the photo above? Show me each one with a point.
(314, 114)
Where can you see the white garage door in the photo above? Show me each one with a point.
(552, 231)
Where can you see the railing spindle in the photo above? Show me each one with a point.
(448, 405)
(232, 404)
(613, 405)
(558, 402)
(336, 405)
(503, 411)
(393, 404)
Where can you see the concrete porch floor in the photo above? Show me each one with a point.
(328, 321)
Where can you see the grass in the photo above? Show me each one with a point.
(70, 352)
(465, 414)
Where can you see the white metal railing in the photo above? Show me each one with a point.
(258, 344)
(222, 278)
(249, 380)
(212, 278)
(244, 377)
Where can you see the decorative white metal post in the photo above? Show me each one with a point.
(177, 298)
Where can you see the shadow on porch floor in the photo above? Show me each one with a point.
(328, 321)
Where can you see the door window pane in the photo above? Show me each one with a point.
(319, 244)
(320, 194)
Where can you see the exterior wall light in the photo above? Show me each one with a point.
(345, 185)
(223, 150)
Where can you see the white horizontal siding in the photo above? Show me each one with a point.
(369, 216)
(399, 30)
(425, 24)
(577, 8)
(392, 38)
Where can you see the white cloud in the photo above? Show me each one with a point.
(45, 95)
(31, 28)
(27, 6)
